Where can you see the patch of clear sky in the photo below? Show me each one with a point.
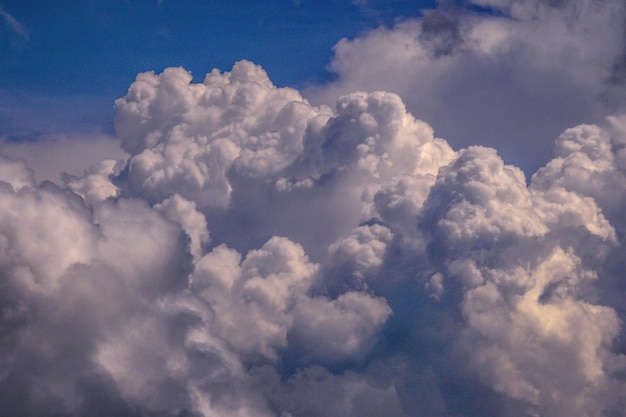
(97, 47)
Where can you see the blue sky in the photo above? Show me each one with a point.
(78, 56)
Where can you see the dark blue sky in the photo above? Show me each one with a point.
(66, 61)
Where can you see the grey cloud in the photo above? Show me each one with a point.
(64, 287)
(256, 255)
(521, 305)
(440, 32)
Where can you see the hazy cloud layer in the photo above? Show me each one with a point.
(50, 156)
(256, 255)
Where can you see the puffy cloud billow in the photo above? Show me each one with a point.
(511, 74)
(257, 255)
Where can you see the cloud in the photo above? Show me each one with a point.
(13, 24)
(506, 74)
(52, 155)
(186, 136)
(256, 255)
(522, 290)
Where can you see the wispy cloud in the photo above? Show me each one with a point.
(13, 24)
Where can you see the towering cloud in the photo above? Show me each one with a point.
(257, 255)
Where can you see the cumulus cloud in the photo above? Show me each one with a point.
(257, 255)
(522, 286)
(506, 74)
(185, 136)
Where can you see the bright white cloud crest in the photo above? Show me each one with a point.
(257, 255)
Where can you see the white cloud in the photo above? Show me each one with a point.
(184, 137)
(513, 257)
(256, 255)
(512, 80)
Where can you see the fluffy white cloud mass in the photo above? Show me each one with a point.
(256, 255)
(511, 74)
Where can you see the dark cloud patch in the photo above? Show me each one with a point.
(440, 32)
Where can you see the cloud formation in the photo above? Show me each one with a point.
(257, 255)
(506, 74)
